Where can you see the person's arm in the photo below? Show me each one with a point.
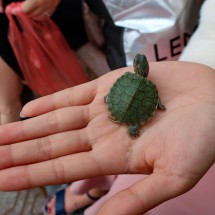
(201, 46)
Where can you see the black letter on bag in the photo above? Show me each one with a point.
(172, 46)
(186, 38)
(157, 55)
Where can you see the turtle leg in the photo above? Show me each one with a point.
(114, 120)
(134, 131)
(160, 105)
(105, 99)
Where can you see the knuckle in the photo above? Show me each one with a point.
(58, 170)
(70, 96)
(52, 120)
(45, 148)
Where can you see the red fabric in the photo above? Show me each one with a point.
(46, 60)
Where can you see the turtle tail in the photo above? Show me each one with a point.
(134, 131)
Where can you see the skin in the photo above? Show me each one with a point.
(37, 9)
(10, 90)
(72, 138)
(74, 202)
(40, 9)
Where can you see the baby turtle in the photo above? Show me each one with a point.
(133, 99)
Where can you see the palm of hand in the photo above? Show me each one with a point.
(173, 145)
(180, 133)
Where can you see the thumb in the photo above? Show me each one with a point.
(144, 195)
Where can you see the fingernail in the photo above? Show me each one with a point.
(22, 115)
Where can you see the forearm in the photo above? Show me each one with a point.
(201, 47)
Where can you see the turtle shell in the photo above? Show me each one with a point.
(132, 100)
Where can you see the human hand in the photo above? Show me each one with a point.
(39, 9)
(10, 90)
(72, 138)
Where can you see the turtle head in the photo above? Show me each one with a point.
(141, 65)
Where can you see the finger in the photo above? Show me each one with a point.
(78, 95)
(144, 195)
(37, 13)
(54, 122)
(35, 10)
(57, 171)
(45, 148)
(29, 6)
(40, 14)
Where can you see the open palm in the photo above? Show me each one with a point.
(72, 138)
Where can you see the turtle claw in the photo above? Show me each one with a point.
(114, 120)
(105, 99)
(160, 105)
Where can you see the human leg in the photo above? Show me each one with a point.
(10, 91)
(69, 202)
(80, 194)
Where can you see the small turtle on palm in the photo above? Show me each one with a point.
(133, 99)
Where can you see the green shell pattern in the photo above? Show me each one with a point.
(132, 100)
